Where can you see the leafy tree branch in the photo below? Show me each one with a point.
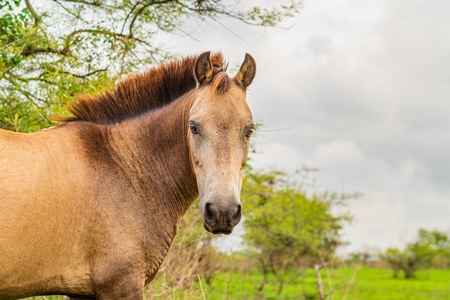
(86, 45)
(37, 19)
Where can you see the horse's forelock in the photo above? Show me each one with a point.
(220, 84)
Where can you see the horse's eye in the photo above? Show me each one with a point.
(250, 131)
(193, 128)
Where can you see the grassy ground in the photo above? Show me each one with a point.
(378, 284)
(367, 284)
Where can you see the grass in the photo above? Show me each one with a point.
(378, 284)
(368, 284)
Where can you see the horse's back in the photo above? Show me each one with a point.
(39, 199)
(36, 168)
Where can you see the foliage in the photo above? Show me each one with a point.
(428, 247)
(287, 229)
(51, 52)
(367, 256)
(438, 243)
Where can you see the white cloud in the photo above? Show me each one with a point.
(360, 89)
(277, 156)
(337, 154)
(382, 221)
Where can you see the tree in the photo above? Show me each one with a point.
(287, 229)
(409, 260)
(438, 243)
(428, 247)
(52, 52)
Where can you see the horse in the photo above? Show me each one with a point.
(90, 207)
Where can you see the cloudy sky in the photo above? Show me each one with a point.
(361, 90)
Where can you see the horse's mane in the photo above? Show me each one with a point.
(143, 92)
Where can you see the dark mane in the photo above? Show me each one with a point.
(142, 92)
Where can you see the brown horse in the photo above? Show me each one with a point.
(90, 208)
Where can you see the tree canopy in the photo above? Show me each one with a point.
(287, 228)
(429, 248)
(52, 51)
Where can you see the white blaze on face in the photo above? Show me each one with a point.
(220, 127)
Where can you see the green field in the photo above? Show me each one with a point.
(366, 284)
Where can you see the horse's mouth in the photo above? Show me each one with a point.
(218, 230)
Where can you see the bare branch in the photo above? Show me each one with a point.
(37, 19)
(97, 3)
(129, 14)
(30, 50)
(77, 16)
(93, 3)
(143, 8)
(317, 268)
(28, 79)
(69, 37)
(87, 74)
(7, 69)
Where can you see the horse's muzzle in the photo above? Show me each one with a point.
(218, 220)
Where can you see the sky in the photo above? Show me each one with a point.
(359, 89)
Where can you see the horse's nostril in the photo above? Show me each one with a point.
(234, 215)
(211, 213)
(234, 210)
(208, 213)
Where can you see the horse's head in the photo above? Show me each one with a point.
(220, 126)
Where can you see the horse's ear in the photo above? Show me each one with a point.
(246, 72)
(203, 69)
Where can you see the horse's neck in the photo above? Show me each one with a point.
(153, 150)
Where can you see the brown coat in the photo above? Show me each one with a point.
(90, 208)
